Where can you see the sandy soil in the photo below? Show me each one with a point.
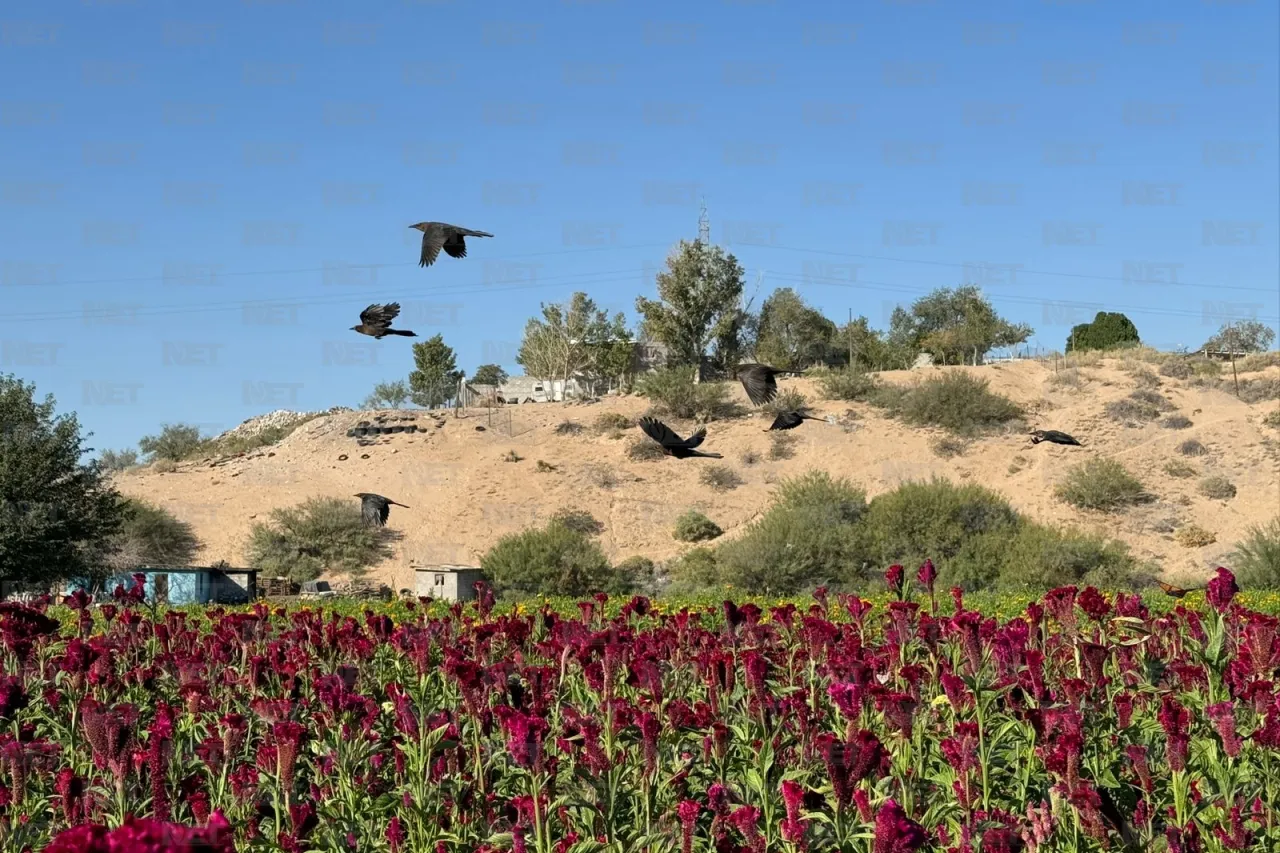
(463, 496)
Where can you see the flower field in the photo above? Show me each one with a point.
(1081, 721)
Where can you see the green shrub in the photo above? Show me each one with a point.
(815, 489)
(695, 571)
(933, 520)
(1107, 331)
(579, 521)
(639, 571)
(175, 442)
(1260, 390)
(1217, 488)
(118, 460)
(1035, 557)
(151, 535)
(317, 536)
(673, 393)
(693, 526)
(568, 428)
(554, 560)
(609, 421)
(1144, 378)
(1206, 368)
(849, 385)
(1272, 419)
(956, 401)
(787, 400)
(720, 477)
(1256, 559)
(1101, 485)
(1151, 398)
(790, 548)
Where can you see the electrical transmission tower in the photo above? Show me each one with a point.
(704, 225)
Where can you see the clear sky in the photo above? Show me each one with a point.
(199, 199)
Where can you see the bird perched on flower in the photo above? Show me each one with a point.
(442, 235)
(375, 508)
(672, 444)
(375, 321)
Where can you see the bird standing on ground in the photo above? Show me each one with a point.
(375, 508)
(1053, 436)
(790, 420)
(672, 444)
(375, 321)
(759, 383)
(442, 235)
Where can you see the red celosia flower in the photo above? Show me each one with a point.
(1094, 604)
(288, 738)
(1223, 718)
(894, 577)
(1221, 589)
(146, 836)
(896, 832)
(688, 811)
(927, 574)
(746, 818)
(396, 835)
(13, 698)
(1236, 837)
(1175, 720)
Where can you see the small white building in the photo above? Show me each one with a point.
(447, 582)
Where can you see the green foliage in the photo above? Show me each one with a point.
(792, 334)
(554, 560)
(1101, 485)
(673, 393)
(860, 348)
(151, 535)
(694, 571)
(1217, 488)
(719, 476)
(693, 526)
(1241, 336)
(1256, 559)
(1272, 419)
(317, 536)
(955, 401)
(959, 326)
(699, 297)
(434, 379)
(575, 339)
(1032, 557)
(933, 520)
(175, 442)
(489, 374)
(816, 489)
(57, 514)
(117, 460)
(788, 400)
(847, 384)
(1107, 331)
(387, 395)
(639, 572)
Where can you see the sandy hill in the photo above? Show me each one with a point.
(463, 494)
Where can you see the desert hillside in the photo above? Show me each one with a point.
(463, 494)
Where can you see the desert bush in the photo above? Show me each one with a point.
(749, 457)
(1101, 485)
(693, 572)
(639, 572)
(554, 560)
(175, 442)
(722, 478)
(1258, 361)
(672, 392)
(1151, 398)
(958, 402)
(610, 421)
(1217, 488)
(849, 385)
(1178, 468)
(1034, 557)
(1176, 368)
(316, 536)
(644, 450)
(164, 466)
(1127, 410)
(1260, 390)
(949, 446)
(602, 476)
(782, 445)
(1191, 447)
(568, 428)
(932, 520)
(1071, 377)
(151, 535)
(1176, 422)
(787, 400)
(1194, 536)
(544, 467)
(1145, 378)
(118, 460)
(512, 456)
(817, 490)
(789, 548)
(1206, 368)
(579, 521)
(693, 526)
(1272, 419)
(1256, 559)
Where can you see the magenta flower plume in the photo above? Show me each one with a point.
(146, 836)
(927, 574)
(688, 811)
(895, 577)
(1175, 720)
(897, 833)
(1223, 717)
(1221, 589)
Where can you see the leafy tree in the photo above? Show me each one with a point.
(117, 460)
(434, 382)
(57, 514)
(489, 374)
(863, 346)
(151, 535)
(1108, 330)
(959, 324)
(792, 334)
(387, 395)
(316, 536)
(1242, 336)
(554, 560)
(175, 442)
(699, 295)
(575, 339)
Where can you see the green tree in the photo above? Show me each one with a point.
(57, 514)
(434, 382)
(1242, 336)
(954, 324)
(175, 442)
(862, 346)
(699, 297)
(575, 339)
(316, 536)
(387, 395)
(793, 335)
(489, 374)
(1108, 330)
(151, 536)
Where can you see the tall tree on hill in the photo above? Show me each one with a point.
(489, 374)
(57, 514)
(575, 339)
(1107, 331)
(959, 325)
(434, 382)
(1240, 336)
(793, 335)
(699, 300)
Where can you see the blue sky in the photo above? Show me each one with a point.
(198, 200)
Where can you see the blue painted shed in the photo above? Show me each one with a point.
(185, 584)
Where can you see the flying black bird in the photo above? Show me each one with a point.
(375, 321)
(1176, 591)
(1052, 435)
(375, 508)
(1113, 816)
(674, 445)
(757, 380)
(790, 420)
(441, 235)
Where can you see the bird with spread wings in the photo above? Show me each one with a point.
(442, 235)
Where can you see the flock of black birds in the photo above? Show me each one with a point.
(375, 321)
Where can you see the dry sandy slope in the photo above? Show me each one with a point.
(463, 496)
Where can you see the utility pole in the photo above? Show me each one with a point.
(850, 334)
(704, 224)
